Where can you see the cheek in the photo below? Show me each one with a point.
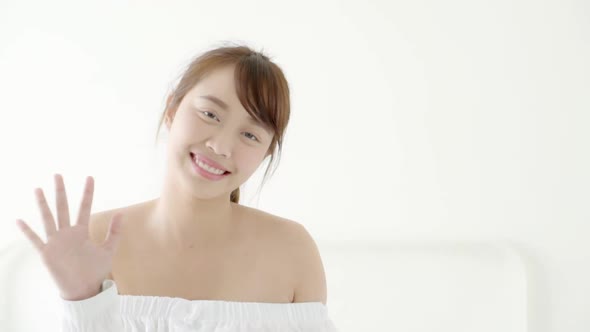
(193, 131)
(250, 160)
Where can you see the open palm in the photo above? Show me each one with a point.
(76, 264)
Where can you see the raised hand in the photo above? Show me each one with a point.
(76, 264)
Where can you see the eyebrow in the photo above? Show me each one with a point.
(217, 101)
(225, 107)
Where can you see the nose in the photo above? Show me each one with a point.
(220, 144)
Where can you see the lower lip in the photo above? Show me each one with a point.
(206, 174)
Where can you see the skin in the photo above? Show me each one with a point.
(161, 247)
(192, 209)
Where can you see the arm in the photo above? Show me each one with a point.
(311, 279)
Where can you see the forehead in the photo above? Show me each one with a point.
(221, 79)
(219, 83)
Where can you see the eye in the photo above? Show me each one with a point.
(255, 138)
(205, 112)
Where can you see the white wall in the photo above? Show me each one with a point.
(469, 119)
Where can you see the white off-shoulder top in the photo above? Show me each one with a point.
(110, 311)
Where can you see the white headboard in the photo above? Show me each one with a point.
(397, 286)
(425, 286)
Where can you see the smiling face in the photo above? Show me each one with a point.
(212, 122)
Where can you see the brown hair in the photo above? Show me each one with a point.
(260, 85)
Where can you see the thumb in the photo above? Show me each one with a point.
(113, 236)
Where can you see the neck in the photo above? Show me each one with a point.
(183, 221)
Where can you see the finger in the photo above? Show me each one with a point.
(32, 236)
(86, 204)
(113, 235)
(48, 221)
(63, 210)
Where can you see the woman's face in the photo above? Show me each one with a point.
(222, 131)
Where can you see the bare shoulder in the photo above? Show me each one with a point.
(98, 227)
(277, 228)
(294, 239)
(311, 278)
(99, 224)
(100, 221)
(287, 231)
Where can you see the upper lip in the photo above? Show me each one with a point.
(209, 161)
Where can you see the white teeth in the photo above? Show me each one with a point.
(208, 168)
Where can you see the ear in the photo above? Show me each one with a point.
(169, 99)
(169, 117)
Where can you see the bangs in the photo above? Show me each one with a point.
(261, 92)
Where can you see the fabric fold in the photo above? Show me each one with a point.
(110, 311)
(97, 313)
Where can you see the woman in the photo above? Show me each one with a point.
(194, 259)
